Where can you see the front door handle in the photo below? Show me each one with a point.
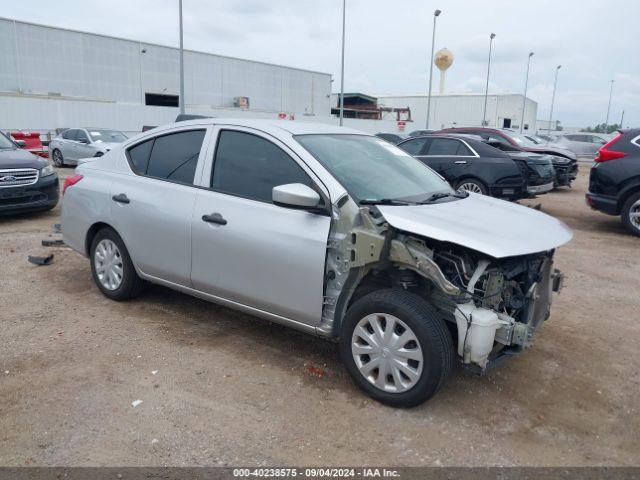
(460, 162)
(121, 198)
(214, 218)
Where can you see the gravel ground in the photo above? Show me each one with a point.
(223, 388)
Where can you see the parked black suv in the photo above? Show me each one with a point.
(614, 182)
(27, 182)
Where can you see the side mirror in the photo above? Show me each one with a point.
(83, 140)
(20, 143)
(295, 195)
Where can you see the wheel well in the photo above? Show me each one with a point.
(91, 233)
(623, 199)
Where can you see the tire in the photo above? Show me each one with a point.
(432, 340)
(472, 185)
(58, 158)
(631, 214)
(129, 284)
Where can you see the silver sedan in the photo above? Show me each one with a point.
(76, 143)
(324, 229)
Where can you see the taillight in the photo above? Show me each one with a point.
(605, 153)
(69, 181)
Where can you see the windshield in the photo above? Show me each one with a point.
(370, 168)
(521, 140)
(109, 136)
(5, 143)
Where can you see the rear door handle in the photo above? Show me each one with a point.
(214, 218)
(460, 162)
(121, 198)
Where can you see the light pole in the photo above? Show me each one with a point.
(524, 100)
(621, 119)
(486, 90)
(436, 14)
(553, 99)
(344, 18)
(606, 122)
(181, 62)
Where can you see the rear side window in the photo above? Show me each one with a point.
(139, 156)
(413, 147)
(171, 157)
(249, 166)
(447, 147)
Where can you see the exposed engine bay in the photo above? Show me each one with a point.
(492, 305)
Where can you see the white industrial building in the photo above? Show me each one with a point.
(451, 110)
(54, 78)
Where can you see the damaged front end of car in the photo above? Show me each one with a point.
(492, 304)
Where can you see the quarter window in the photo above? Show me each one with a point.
(139, 156)
(250, 166)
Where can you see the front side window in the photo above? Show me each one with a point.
(70, 134)
(5, 143)
(249, 166)
(82, 137)
(171, 157)
(371, 169)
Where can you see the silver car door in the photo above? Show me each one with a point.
(152, 206)
(84, 148)
(67, 145)
(258, 254)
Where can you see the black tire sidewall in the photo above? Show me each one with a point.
(626, 209)
(431, 332)
(129, 286)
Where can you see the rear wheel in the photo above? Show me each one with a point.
(58, 159)
(396, 347)
(111, 266)
(631, 214)
(472, 185)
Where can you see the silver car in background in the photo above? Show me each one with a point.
(583, 144)
(324, 229)
(76, 143)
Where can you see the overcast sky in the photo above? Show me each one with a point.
(388, 42)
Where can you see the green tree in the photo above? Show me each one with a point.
(602, 128)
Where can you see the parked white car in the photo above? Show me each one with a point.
(76, 143)
(325, 229)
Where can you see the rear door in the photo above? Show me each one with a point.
(262, 255)
(450, 157)
(67, 144)
(152, 206)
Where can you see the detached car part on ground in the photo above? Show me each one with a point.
(28, 183)
(614, 181)
(328, 230)
(564, 161)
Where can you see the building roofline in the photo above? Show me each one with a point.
(141, 42)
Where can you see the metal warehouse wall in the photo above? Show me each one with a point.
(465, 110)
(43, 61)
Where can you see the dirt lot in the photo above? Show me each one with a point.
(223, 388)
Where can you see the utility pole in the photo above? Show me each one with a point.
(553, 99)
(524, 100)
(486, 90)
(606, 122)
(436, 14)
(181, 62)
(344, 18)
(621, 119)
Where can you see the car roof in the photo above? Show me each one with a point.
(292, 127)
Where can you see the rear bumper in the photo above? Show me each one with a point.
(602, 203)
(42, 195)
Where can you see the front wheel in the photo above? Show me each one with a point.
(472, 185)
(396, 347)
(631, 214)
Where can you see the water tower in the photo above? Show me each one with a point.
(443, 60)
